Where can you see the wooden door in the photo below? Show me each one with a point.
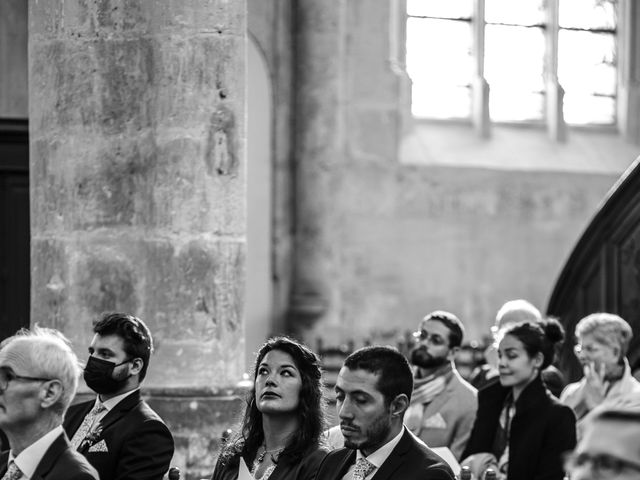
(14, 227)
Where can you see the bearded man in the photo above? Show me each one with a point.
(443, 405)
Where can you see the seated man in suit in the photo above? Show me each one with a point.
(373, 390)
(120, 435)
(38, 378)
(443, 406)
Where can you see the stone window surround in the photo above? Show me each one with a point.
(628, 97)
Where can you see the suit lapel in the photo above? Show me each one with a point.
(346, 462)
(50, 457)
(4, 463)
(112, 416)
(120, 409)
(395, 458)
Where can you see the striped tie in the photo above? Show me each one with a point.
(86, 425)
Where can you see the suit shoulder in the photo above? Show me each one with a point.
(427, 460)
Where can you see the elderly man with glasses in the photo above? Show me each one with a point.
(609, 448)
(38, 378)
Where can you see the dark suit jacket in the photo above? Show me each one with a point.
(140, 446)
(304, 469)
(60, 462)
(409, 460)
(542, 429)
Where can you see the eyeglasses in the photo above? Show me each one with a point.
(601, 464)
(423, 335)
(589, 349)
(7, 375)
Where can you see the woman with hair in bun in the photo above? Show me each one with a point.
(521, 430)
(280, 433)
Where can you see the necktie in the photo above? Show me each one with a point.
(86, 425)
(13, 472)
(363, 468)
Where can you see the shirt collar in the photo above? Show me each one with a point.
(112, 402)
(380, 455)
(28, 459)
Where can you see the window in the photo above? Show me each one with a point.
(540, 59)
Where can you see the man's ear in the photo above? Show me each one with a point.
(136, 366)
(50, 393)
(399, 405)
(453, 351)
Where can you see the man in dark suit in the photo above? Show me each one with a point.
(38, 378)
(120, 435)
(373, 391)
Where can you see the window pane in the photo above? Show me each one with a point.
(589, 109)
(519, 12)
(439, 59)
(440, 102)
(446, 9)
(586, 62)
(587, 14)
(514, 62)
(515, 105)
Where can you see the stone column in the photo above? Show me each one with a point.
(137, 171)
(318, 153)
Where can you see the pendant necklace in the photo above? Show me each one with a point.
(273, 454)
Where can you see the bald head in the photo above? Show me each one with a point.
(516, 311)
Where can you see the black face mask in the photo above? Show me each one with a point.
(98, 374)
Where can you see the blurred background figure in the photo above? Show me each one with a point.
(283, 419)
(602, 341)
(609, 448)
(521, 430)
(512, 313)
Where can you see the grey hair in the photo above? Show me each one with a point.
(50, 354)
(608, 329)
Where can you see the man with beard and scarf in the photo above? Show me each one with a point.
(443, 405)
(373, 391)
(118, 433)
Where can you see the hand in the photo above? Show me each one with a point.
(596, 385)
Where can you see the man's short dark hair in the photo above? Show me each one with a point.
(392, 368)
(453, 324)
(135, 336)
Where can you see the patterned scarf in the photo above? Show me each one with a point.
(424, 391)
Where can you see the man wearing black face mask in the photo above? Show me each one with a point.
(443, 405)
(118, 433)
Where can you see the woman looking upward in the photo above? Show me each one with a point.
(280, 432)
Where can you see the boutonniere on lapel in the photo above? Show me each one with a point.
(92, 437)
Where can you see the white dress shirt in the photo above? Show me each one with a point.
(29, 459)
(377, 458)
(110, 405)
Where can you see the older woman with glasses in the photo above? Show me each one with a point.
(602, 344)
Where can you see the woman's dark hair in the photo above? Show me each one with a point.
(538, 337)
(310, 408)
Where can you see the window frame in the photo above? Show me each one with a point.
(627, 99)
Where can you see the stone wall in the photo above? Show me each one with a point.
(386, 233)
(138, 196)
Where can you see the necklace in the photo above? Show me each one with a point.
(273, 454)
